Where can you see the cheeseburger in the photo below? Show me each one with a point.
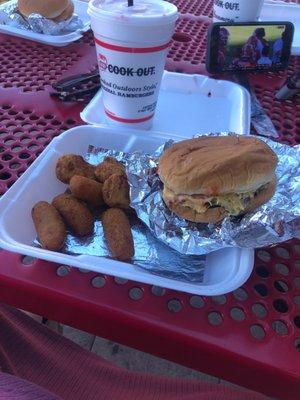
(208, 178)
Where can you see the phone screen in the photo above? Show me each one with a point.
(249, 47)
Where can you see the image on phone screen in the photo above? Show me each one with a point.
(249, 47)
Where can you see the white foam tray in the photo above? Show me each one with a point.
(225, 270)
(54, 40)
(190, 104)
(281, 11)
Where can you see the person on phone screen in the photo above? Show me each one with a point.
(261, 42)
(277, 48)
(253, 48)
(265, 59)
(250, 52)
(223, 41)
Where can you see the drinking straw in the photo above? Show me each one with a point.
(130, 3)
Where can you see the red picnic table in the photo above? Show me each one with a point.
(251, 336)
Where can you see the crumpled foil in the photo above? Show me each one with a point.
(274, 222)
(260, 120)
(9, 15)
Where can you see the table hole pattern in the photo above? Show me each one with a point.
(262, 272)
(23, 135)
(280, 305)
(30, 67)
(62, 271)
(188, 43)
(259, 310)
(257, 332)
(219, 299)
(214, 318)
(240, 294)
(27, 260)
(174, 305)
(98, 281)
(196, 301)
(282, 269)
(264, 308)
(297, 321)
(280, 327)
(158, 291)
(281, 286)
(136, 293)
(197, 8)
(238, 314)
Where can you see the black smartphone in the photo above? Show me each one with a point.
(249, 47)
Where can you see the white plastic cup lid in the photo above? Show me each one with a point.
(143, 12)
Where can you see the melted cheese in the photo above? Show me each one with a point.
(233, 203)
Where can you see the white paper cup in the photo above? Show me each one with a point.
(131, 45)
(237, 10)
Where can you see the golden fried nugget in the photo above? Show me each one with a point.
(49, 226)
(72, 164)
(118, 234)
(115, 191)
(107, 168)
(87, 190)
(75, 213)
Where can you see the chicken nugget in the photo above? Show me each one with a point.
(75, 213)
(49, 225)
(87, 190)
(118, 234)
(115, 191)
(107, 168)
(72, 164)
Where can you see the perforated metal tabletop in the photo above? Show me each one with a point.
(250, 337)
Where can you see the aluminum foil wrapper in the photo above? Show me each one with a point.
(37, 23)
(260, 120)
(274, 222)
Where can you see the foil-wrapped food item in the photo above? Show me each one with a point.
(274, 222)
(10, 16)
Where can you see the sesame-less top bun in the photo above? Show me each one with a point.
(217, 165)
(46, 8)
(66, 14)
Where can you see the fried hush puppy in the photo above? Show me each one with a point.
(49, 226)
(107, 168)
(75, 213)
(115, 191)
(118, 234)
(87, 190)
(72, 164)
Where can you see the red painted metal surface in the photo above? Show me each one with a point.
(250, 337)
